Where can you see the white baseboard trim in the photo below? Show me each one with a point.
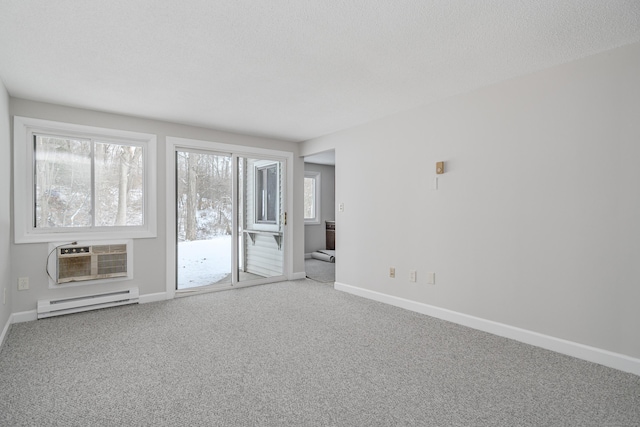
(28, 316)
(299, 275)
(570, 348)
(24, 316)
(5, 330)
(159, 296)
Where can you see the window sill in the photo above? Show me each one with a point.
(84, 235)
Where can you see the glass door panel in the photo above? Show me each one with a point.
(261, 218)
(204, 216)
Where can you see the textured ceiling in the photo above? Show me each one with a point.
(292, 69)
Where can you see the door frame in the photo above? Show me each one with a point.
(175, 143)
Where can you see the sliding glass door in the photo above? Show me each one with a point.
(204, 218)
(230, 219)
(261, 218)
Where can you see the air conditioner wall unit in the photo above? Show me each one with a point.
(91, 262)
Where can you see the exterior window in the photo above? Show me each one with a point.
(267, 194)
(312, 197)
(73, 182)
(87, 183)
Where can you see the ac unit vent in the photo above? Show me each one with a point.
(76, 264)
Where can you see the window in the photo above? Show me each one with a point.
(267, 184)
(75, 181)
(312, 197)
(86, 183)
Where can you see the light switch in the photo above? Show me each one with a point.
(431, 278)
(413, 276)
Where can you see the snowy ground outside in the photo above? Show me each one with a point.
(203, 262)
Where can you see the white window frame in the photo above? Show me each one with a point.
(258, 171)
(25, 231)
(264, 225)
(317, 179)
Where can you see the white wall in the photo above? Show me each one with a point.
(29, 259)
(536, 223)
(5, 213)
(315, 234)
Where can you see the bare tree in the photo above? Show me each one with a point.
(45, 176)
(191, 226)
(128, 158)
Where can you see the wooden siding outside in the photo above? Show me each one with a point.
(263, 257)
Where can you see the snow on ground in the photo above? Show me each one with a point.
(203, 262)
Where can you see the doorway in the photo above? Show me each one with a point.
(230, 219)
(319, 213)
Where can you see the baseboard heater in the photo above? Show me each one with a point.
(58, 307)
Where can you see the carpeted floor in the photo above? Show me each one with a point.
(293, 354)
(320, 271)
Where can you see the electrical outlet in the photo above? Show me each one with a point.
(23, 283)
(431, 278)
(341, 207)
(392, 272)
(413, 276)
